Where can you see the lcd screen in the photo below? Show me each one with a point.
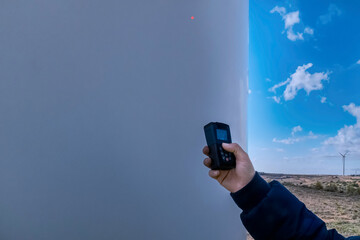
(221, 134)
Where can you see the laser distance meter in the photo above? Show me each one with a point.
(216, 133)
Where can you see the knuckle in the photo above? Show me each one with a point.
(236, 148)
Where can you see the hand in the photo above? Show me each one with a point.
(236, 178)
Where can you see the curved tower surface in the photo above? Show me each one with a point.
(102, 108)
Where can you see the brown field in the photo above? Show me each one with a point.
(335, 199)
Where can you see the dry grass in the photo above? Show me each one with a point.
(335, 199)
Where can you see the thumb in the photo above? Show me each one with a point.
(236, 149)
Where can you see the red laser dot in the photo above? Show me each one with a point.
(192, 17)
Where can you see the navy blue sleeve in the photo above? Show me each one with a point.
(270, 211)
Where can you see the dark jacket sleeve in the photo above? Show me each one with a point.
(270, 211)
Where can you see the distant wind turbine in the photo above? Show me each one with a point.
(343, 158)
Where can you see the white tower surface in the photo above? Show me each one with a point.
(102, 107)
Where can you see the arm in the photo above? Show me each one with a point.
(270, 211)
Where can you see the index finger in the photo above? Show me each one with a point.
(206, 150)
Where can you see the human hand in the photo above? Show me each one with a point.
(236, 178)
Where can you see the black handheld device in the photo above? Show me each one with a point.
(216, 133)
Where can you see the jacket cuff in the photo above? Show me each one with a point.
(250, 195)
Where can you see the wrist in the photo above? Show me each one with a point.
(251, 194)
(243, 181)
(248, 178)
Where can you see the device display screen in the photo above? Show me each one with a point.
(221, 134)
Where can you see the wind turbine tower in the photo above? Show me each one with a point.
(86, 104)
(343, 158)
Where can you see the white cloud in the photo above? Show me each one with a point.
(249, 91)
(323, 100)
(348, 137)
(358, 62)
(309, 30)
(293, 139)
(280, 10)
(273, 88)
(296, 129)
(272, 149)
(355, 111)
(315, 150)
(269, 80)
(290, 20)
(312, 135)
(333, 10)
(294, 36)
(287, 140)
(302, 79)
(276, 99)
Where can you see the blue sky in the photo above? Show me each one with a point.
(304, 81)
